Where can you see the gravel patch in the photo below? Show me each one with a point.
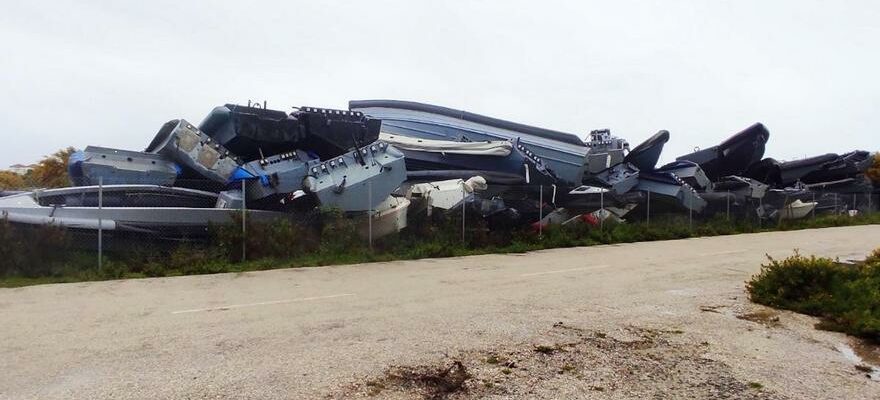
(569, 362)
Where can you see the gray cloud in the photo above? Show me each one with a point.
(110, 73)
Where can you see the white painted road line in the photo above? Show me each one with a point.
(264, 303)
(592, 267)
(722, 253)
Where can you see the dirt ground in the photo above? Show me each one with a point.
(660, 320)
(572, 362)
(629, 362)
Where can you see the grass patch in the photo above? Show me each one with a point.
(46, 255)
(845, 296)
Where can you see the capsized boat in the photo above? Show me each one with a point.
(793, 171)
(741, 186)
(163, 212)
(354, 181)
(564, 154)
(734, 155)
(797, 209)
(689, 172)
(827, 168)
(445, 195)
(458, 160)
(587, 198)
(606, 151)
(389, 217)
(670, 186)
(253, 132)
(767, 171)
(645, 155)
(96, 165)
(183, 143)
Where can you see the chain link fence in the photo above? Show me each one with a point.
(200, 223)
(531, 206)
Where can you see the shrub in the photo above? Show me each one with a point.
(279, 238)
(328, 237)
(873, 258)
(338, 234)
(846, 296)
(31, 250)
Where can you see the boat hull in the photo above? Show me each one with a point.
(564, 154)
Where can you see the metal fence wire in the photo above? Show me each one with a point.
(218, 218)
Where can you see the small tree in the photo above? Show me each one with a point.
(11, 181)
(874, 172)
(51, 171)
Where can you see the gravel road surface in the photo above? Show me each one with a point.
(660, 320)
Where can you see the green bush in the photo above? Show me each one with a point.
(326, 237)
(338, 234)
(280, 238)
(845, 296)
(31, 251)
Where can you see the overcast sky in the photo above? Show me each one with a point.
(83, 73)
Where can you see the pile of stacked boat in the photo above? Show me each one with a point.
(388, 159)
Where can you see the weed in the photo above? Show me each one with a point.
(546, 349)
(375, 388)
(436, 383)
(864, 368)
(763, 317)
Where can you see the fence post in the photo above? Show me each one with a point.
(463, 216)
(786, 207)
(814, 205)
(691, 213)
(100, 223)
(760, 207)
(728, 206)
(243, 221)
(836, 206)
(648, 208)
(870, 203)
(370, 213)
(541, 211)
(602, 210)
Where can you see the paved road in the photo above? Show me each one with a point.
(303, 333)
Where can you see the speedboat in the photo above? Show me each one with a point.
(797, 209)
